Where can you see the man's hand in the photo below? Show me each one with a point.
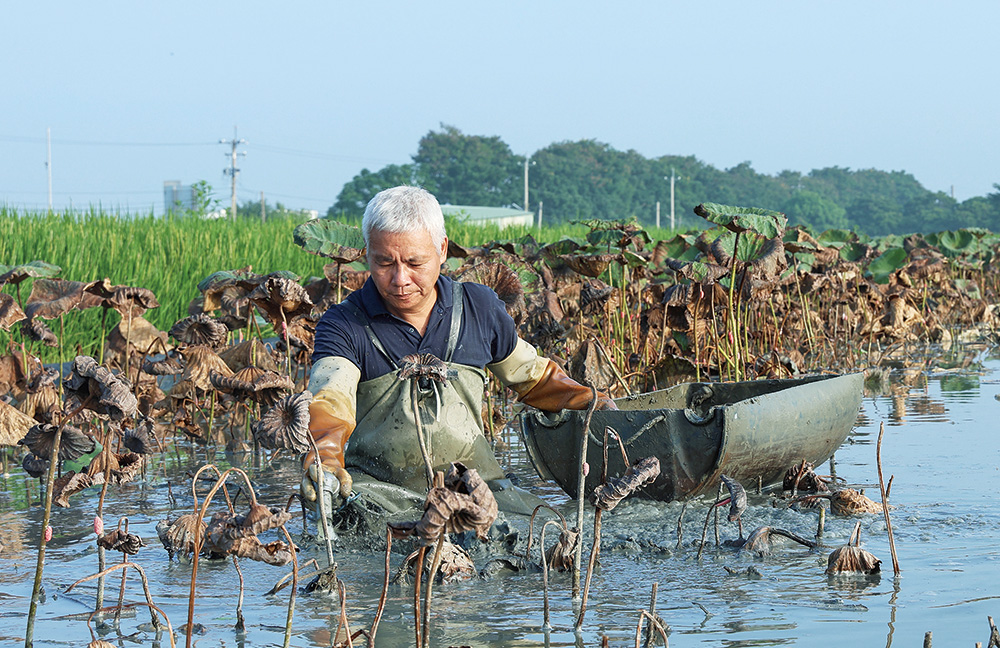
(605, 403)
(337, 484)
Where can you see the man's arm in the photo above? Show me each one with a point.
(542, 383)
(334, 384)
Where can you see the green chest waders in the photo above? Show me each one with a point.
(384, 443)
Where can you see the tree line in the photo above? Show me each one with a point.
(589, 179)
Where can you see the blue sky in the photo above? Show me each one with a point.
(136, 93)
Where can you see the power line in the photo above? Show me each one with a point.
(71, 142)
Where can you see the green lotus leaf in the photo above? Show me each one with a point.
(764, 222)
(836, 238)
(886, 263)
(854, 252)
(332, 239)
(17, 273)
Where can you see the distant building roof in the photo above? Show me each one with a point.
(502, 216)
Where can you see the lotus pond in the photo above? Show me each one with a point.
(938, 445)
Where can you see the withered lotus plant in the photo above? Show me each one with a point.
(281, 300)
(851, 558)
(51, 298)
(95, 388)
(140, 335)
(128, 301)
(14, 425)
(463, 503)
(200, 329)
(34, 465)
(200, 362)
(636, 476)
(37, 331)
(737, 500)
(10, 311)
(168, 365)
(848, 501)
(141, 438)
(253, 383)
(249, 353)
(760, 540)
(285, 426)
(504, 281)
(74, 443)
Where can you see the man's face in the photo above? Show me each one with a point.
(405, 267)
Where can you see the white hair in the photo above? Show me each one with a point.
(402, 210)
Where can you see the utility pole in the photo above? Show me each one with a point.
(48, 161)
(673, 177)
(657, 214)
(527, 161)
(232, 171)
(540, 204)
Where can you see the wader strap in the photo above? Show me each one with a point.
(360, 314)
(456, 318)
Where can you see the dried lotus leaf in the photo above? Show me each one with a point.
(118, 540)
(36, 331)
(851, 559)
(200, 362)
(588, 265)
(10, 311)
(285, 425)
(636, 476)
(560, 556)
(100, 391)
(261, 518)
(200, 329)
(34, 465)
(848, 501)
(281, 300)
(14, 425)
(142, 438)
(178, 536)
(73, 443)
(70, 483)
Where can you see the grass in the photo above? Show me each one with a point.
(171, 255)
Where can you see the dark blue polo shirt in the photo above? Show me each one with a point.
(487, 335)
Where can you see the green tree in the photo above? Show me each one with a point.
(354, 197)
(469, 169)
(820, 213)
(589, 179)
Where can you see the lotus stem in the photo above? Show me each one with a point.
(385, 588)
(198, 536)
(428, 466)
(42, 542)
(545, 577)
(145, 589)
(295, 587)
(885, 499)
(416, 597)
(343, 623)
(435, 564)
(531, 525)
(581, 486)
(680, 524)
(240, 625)
(653, 622)
(652, 615)
(594, 550)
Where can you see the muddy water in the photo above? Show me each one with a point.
(940, 444)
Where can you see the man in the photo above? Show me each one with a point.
(407, 307)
